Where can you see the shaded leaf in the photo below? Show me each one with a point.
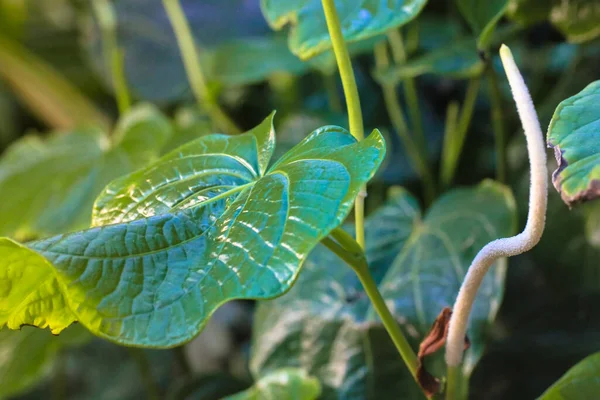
(326, 325)
(283, 384)
(574, 133)
(578, 20)
(53, 182)
(235, 44)
(458, 60)
(482, 16)
(48, 94)
(359, 19)
(28, 356)
(205, 224)
(580, 382)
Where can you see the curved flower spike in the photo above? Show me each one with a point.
(535, 220)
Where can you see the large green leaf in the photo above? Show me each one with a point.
(29, 356)
(482, 16)
(283, 384)
(574, 133)
(50, 184)
(578, 20)
(205, 224)
(326, 324)
(456, 60)
(580, 382)
(360, 19)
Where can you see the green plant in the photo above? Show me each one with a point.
(140, 229)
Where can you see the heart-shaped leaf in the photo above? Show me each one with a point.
(326, 324)
(359, 19)
(456, 60)
(482, 16)
(580, 382)
(53, 182)
(205, 224)
(574, 133)
(283, 384)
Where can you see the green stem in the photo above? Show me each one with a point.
(332, 94)
(59, 383)
(394, 110)
(410, 89)
(112, 54)
(145, 371)
(345, 247)
(191, 62)
(455, 143)
(453, 376)
(355, 120)
(497, 123)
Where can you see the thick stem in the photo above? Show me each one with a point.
(453, 147)
(113, 56)
(497, 123)
(355, 120)
(417, 158)
(345, 247)
(535, 220)
(191, 62)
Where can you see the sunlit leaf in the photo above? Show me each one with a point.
(326, 324)
(360, 19)
(207, 223)
(50, 183)
(580, 382)
(574, 133)
(283, 384)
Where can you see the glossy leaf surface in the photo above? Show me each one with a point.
(574, 133)
(326, 325)
(205, 224)
(53, 182)
(284, 384)
(456, 60)
(580, 382)
(482, 16)
(360, 19)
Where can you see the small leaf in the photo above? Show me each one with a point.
(283, 384)
(458, 60)
(359, 19)
(580, 382)
(326, 325)
(53, 182)
(574, 133)
(482, 17)
(205, 224)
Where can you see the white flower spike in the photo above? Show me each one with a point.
(535, 220)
